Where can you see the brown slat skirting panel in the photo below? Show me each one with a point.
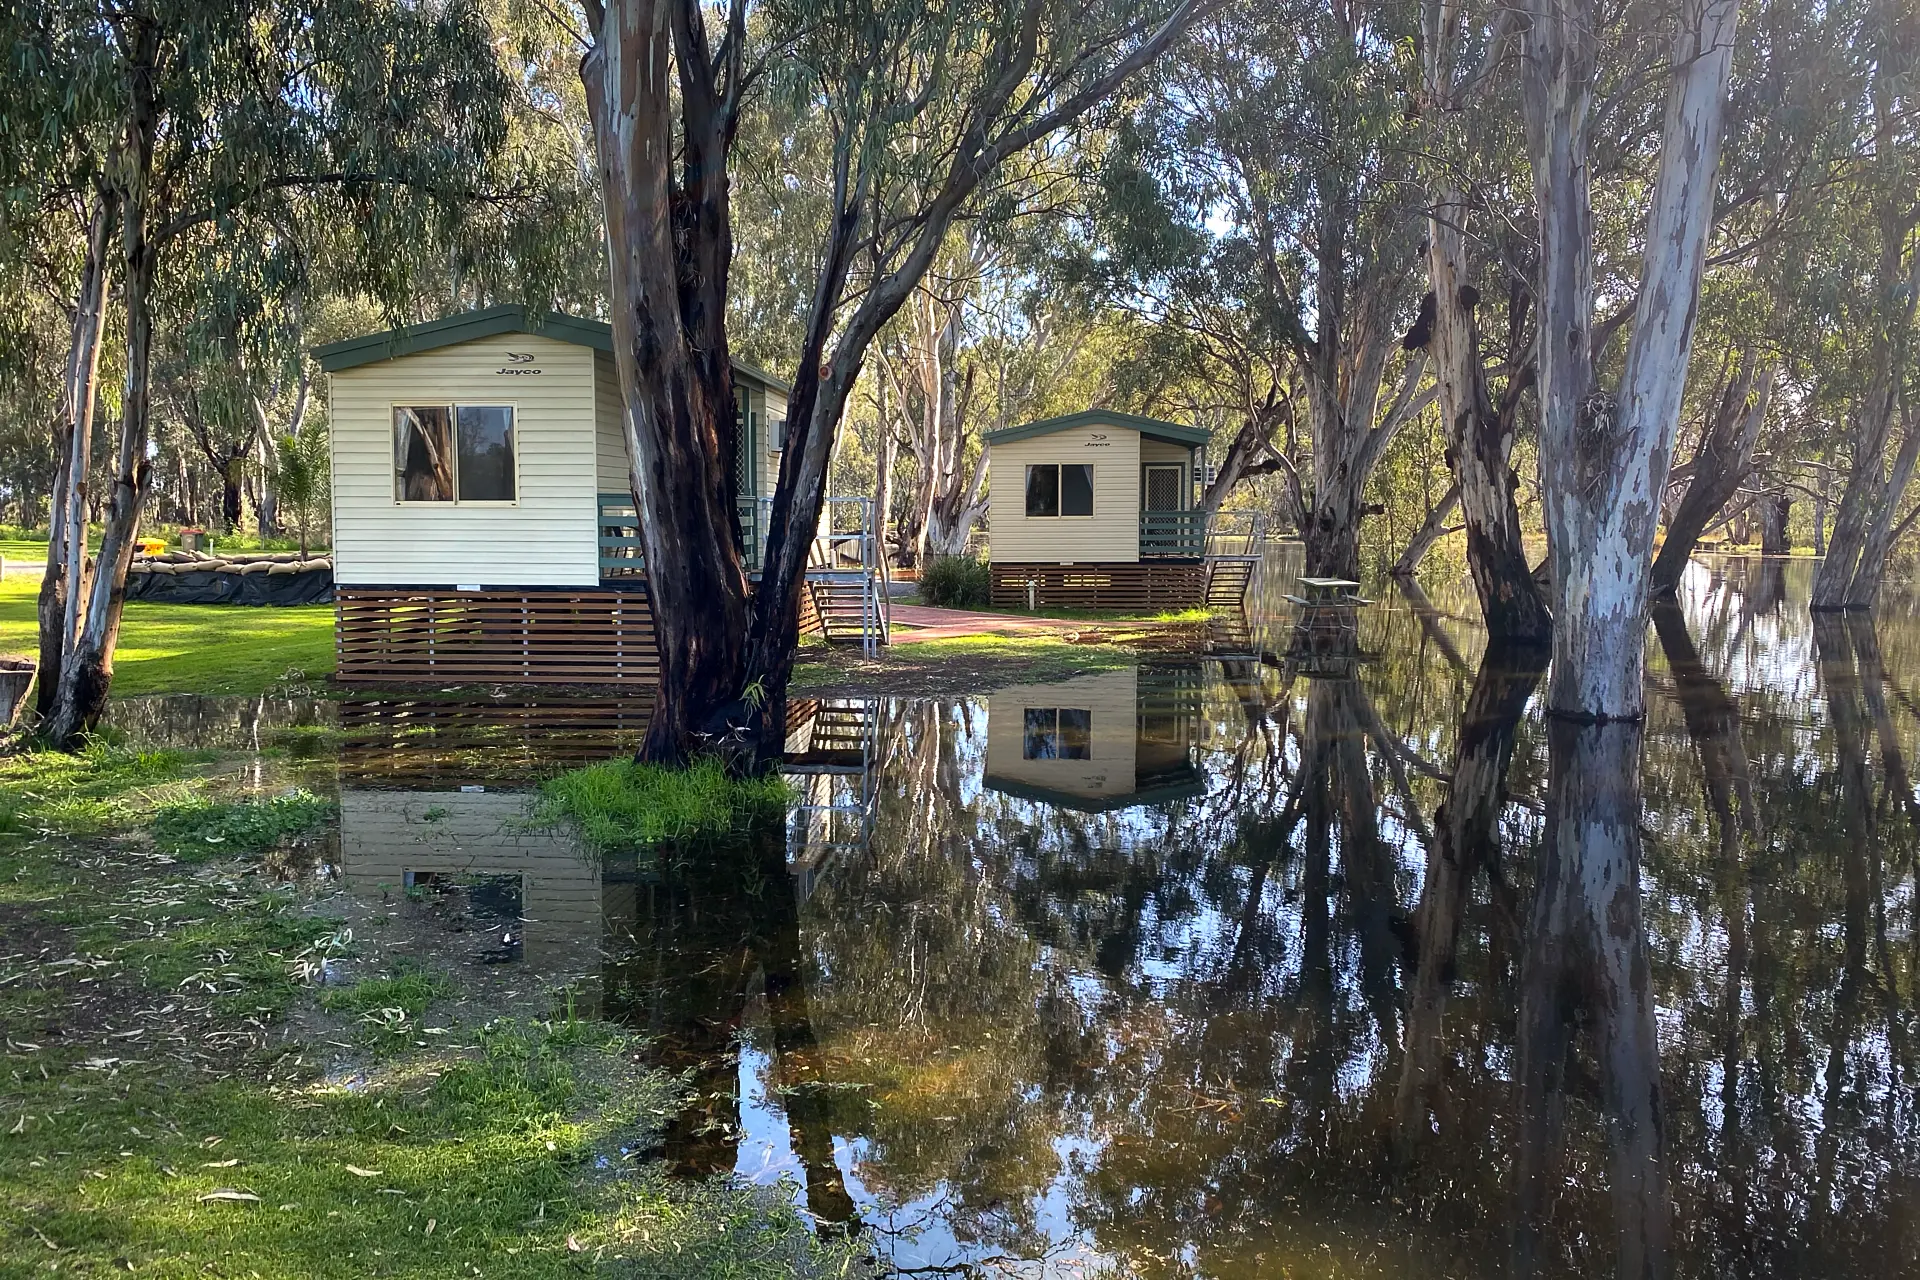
(1146, 586)
(534, 635)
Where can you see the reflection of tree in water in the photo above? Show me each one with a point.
(1276, 1027)
(706, 935)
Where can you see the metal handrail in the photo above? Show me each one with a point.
(1173, 533)
(847, 543)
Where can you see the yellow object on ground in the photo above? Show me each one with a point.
(152, 546)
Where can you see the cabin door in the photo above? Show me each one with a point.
(1160, 490)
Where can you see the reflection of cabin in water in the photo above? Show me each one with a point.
(537, 886)
(1098, 742)
(1101, 510)
(483, 519)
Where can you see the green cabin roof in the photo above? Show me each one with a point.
(1152, 428)
(411, 340)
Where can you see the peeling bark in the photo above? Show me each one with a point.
(669, 246)
(1605, 454)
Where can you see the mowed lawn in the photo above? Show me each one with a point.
(190, 648)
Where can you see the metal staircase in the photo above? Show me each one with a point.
(829, 764)
(1236, 545)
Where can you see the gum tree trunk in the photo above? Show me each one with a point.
(1479, 441)
(670, 352)
(1431, 530)
(1604, 461)
(1864, 590)
(1719, 469)
(1866, 492)
(86, 671)
(64, 579)
(1604, 455)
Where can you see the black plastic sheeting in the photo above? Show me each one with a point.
(209, 586)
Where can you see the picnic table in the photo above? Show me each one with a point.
(1327, 593)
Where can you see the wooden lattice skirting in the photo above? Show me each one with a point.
(530, 635)
(1146, 585)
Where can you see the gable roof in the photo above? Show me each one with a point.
(1152, 428)
(411, 340)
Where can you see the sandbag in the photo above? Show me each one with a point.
(198, 585)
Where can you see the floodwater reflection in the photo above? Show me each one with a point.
(1356, 966)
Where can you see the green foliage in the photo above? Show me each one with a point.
(305, 481)
(103, 787)
(956, 582)
(623, 805)
(200, 828)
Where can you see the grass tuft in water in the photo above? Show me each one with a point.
(202, 828)
(621, 805)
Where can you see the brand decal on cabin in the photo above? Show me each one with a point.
(1098, 440)
(518, 364)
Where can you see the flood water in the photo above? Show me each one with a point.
(1198, 968)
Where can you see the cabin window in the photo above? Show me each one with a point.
(1057, 733)
(1060, 489)
(453, 453)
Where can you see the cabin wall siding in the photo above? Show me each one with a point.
(547, 537)
(1162, 452)
(609, 436)
(386, 834)
(1110, 534)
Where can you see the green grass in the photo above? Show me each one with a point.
(105, 787)
(621, 805)
(200, 828)
(191, 648)
(162, 1113)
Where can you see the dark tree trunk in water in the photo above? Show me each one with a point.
(1719, 467)
(1774, 510)
(1466, 831)
(1431, 530)
(670, 352)
(65, 574)
(1586, 966)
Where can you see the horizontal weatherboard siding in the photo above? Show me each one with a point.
(546, 537)
(1110, 534)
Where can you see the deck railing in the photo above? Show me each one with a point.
(621, 555)
(1173, 533)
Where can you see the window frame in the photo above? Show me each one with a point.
(1055, 737)
(453, 408)
(1059, 491)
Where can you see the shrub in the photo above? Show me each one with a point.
(956, 582)
(622, 805)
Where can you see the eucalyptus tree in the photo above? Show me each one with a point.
(203, 137)
(928, 105)
(1606, 439)
(1864, 523)
(1470, 165)
(1264, 195)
